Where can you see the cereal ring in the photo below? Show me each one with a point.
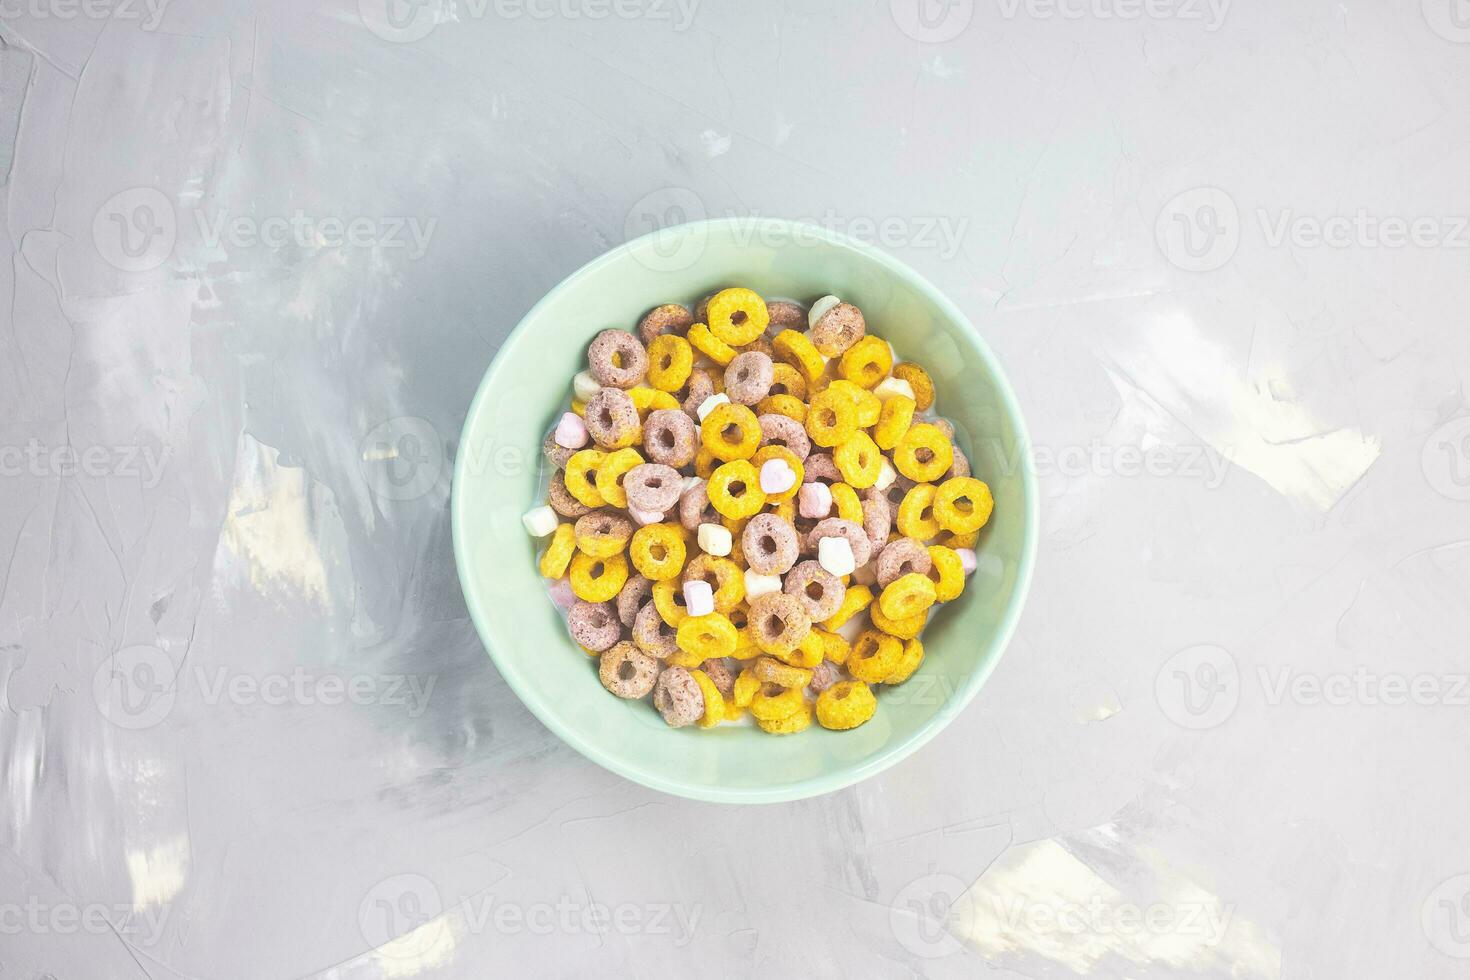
(670, 359)
(795, 349)
(845, 705)
(824, 675)
(668, 437)
(745, 647)
(658, 552)
(704, 464)
(647, 400)
(787, 405)
(819, 590)
(873, 656)
(787, 380)
(764, 455)
(735, 490)
(654, 636)
(717, 669)
(819, 467)
(724, 578)
(913, 655)
(653, 487)
(845, 500)
(748, 378)
(770, 544)
(859, 460)
(627, 671)
(603, 533)
(678, 697)
(896, 417)
(579, 473)
(714, 702)
(737, 316)
(858, 598)
(947, 573)
(834, 646)
(838, 329)
(798, 721)
(668, 598)
(559, 551)
(611, 471)
(772, 702)
(923, 454)
(598, 579)
(958, 541)
(963, 504)
(746, 687)
(695, 508)
(906, 596)
(701, 309)
(905, 629)
(711, 346)
(919, 381)
(555, 453)
(730, 432)
(779, 622)
(632, 597)
(759, 345)
(784, 313)
(561, 499)
(671, 319)
(612, 419)
(916, 516)
(866, 362)
(594, 624)
(779, 430)
(706, 637)
(616, 359)
(769, 670)
(899, 558)
(960, 467)
(836, 527)
(701, 386)
(831, 418)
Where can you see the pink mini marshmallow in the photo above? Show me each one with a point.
(571, 432)
(699, 598)
(561, 594)
(643, 518)
(777, 476)
(814, 500)
(967, 559)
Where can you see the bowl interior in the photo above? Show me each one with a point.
(499, 471)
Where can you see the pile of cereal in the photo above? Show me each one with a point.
(754, 485)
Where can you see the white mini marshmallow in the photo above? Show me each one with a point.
(889, 387)
(540, 521)
(835, 555)
(715, 539)
(967, 559)
(757, 584)
(814, 500)
(886, 475)
(819, 309)
(690, 482)
(777, 476)
(711, 403)
(584, 385)
(699, 598)
(643, 518)
(571, 431)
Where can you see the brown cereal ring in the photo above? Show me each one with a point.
(877, 519)
(785, 314)
(945, 426)
(616, 358)
(770, 544)
(836, 527)
(668, 437)
(635, 592)
(824, 675)
(961, 464)
(654, 636)
(695, 508)
(779, 622)
(627, 671)
(612, 418)
(900, 557)
(719, 672)
(748, 377)
(603, 533)
(701, 385)
(653, 487)
(838, 329)
(779, 430)
(678, 698)
(557, 455)
(701, 309)
(760, 345)
(818, 589)
(594, 624)
(669, 318)
(561, 499)
(819, 467)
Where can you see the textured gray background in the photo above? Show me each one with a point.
(247, 730)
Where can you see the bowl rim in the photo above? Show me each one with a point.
(800, 234)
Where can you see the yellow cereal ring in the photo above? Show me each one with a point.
(894, 420)
(924, 453)
(907, 595)
(787, 405)
(798, 721)
(866, 405)
(795, 349)
(946, 572)
(831, 418)
(704, 463)
(658, 552)
(670, 359)
(602, 534)
(733, 713)
(683, 658)
(846, 704)
(770, 670)
(905, 629)
(859, 460)
(735, 490)
(724, 577)
(806, 654)
(845, 499)
(963, 504)
(866, 362)
(787, 380)
(668, 599)
(746, 686)
(854, 601)
(714, 703)
(745, 645)
(559, 551)
(711, 346)
(916, 513)
(913, 655)
(730, 432)
(918, 380)
(578, 474)
(967, 540)
(646, 400)
(765, 454)
(579, 407)
(737, 549)
(610, 473)
(707, 637)
(773, 702)
(874, 656)
(598, 579)
(834, 646)
(737, 316)
(786, 509)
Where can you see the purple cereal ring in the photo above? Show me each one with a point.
(668, 437)
(669, 318)
(819, 590)
(836, 527)
(616, 359)
(594, 624)
(761, 345)
(780, 430)
(818, 467)
(610, 526)
(695, 508)
(900, 557)
(877, 520)
(561, 499)
(654, 636)
(653, 487)
(838, 329)
(770, 544)
(960, 466)
(749, 376)
(700, 386)
(701, 309)
(785, 315)
(719, 672)
(635, 592)
(678, 697)
(945, 426)
(824, 675)
(557, 455)
(627, 671)
(611, 416)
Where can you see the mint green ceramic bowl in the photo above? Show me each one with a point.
(496, 479)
